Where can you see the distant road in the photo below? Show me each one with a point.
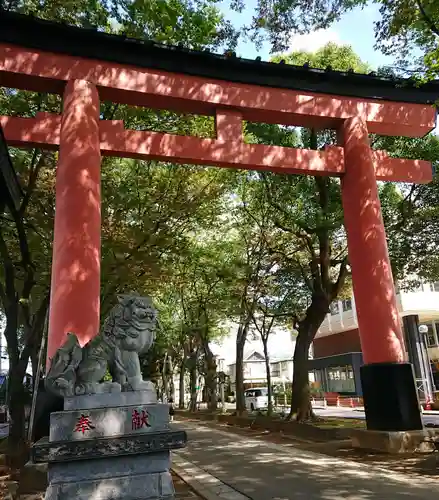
(334, 411)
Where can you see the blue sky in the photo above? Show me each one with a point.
(355, 28)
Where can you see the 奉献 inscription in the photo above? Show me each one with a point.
(139, 419)
(84, 424)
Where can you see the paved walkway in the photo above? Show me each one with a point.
(268, 471)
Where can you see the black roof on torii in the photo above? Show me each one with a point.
(32, 32)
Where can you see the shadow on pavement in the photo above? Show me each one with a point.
(265, 471)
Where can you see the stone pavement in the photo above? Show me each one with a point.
(205, 484)
(266, 471)
(183, 491)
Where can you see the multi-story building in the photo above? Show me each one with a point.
(337, 348)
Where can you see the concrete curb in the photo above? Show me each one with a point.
(203, 483)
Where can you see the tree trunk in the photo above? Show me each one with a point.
(35, 331)
(239, 367)
(165, 385)
(308, 327)
(16, 395)
(300, 402)
(181, 384)
(193, 387)
(211, 380)
(170, 374)
(268, 371)
(16, 401)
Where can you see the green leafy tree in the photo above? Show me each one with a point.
(83, 13)
(149, 212)
(406, 27)
(195, 24)
(339, 57)
(270, 310)
(250, 225)
(307, 220)
(278, 20)
(205, 279)
(25, 251)
(307, 213)
(309, 209)
(410, 213)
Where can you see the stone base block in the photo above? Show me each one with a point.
(107, 468)
(395, 442)
(134, 487)
(33, 477)
(110, 400)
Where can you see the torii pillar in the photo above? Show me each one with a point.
(389, 389)
(75, 287)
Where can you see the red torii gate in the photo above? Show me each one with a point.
(47, 57)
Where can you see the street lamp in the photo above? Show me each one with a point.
(423, 331)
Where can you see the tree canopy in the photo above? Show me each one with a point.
(407, 29)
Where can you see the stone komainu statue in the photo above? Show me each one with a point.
(128, 331)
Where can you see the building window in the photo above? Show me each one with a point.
(340, 379)
(275, 372)
(334, 308)
(347, 305)
(432, 338)
(431, 335)
(434, 287)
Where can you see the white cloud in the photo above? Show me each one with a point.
(314, 40)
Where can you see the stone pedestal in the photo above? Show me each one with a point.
(109, 447)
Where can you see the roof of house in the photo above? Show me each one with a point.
(255, 354)
(31, 32)
(249, 354)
